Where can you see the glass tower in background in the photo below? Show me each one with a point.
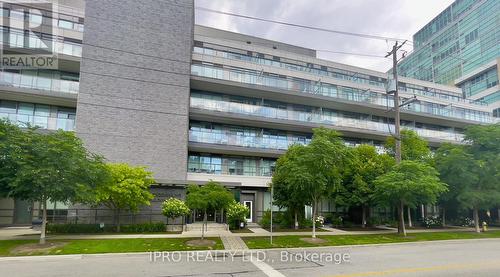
(461, 46)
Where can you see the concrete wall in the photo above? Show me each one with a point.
(134, 83)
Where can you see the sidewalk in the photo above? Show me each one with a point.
(20, 233)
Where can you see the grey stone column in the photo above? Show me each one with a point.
(133, 102)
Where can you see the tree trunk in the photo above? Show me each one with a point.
(476, 220)
(203, 225)
(409, 217)
(118, 220)
(314, 219)
(401, 225)
(44, 221)
(444, 217)
(363, 216)
(296, 224)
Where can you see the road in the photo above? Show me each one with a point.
(445, 258)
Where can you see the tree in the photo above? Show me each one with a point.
(42, 166)
(408, 183)
(126, 189)
(458, 169)
(473, 170)
(174, 208)
(315, 170)
(211, 196)
(360, 175)
(413, 148)
(236, 213)
(285, 193)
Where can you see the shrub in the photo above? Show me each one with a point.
(281, 220)
(306, 223)
(329, 218)
(432, 221)
(337, 221)
(173, 208)
(78, 228)
(347, 224)
(72, 228)
(265, 221)
(464, 221)
(375, 220)
(320, 221)
(144, 228)
(236, 213)
(284, 219)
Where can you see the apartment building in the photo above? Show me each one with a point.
(140, 83)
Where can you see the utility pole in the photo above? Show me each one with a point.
(397, 131)
(397, 121)
(272, 196)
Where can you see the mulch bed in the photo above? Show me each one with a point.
(36, 248)
(200, 243)
(314, 240)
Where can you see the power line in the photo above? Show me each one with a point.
(301, 26)
(354, 54)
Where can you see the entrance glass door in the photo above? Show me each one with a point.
(249, 204)
(199, 216)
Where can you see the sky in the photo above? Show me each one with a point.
(388, 18)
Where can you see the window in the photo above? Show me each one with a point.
(496, 112)
(65, 24)
(472, 36)
(8, 107)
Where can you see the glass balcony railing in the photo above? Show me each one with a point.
(44, 122)
(329, 90)
(345, 75)
(17, 38)
(38, 82)
(328, 119)
(351, 76)
(67, 48)
(245, 140)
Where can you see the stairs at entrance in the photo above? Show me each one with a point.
(211, 227)
(252, 225)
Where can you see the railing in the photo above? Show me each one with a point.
(244, 140)
(38, 82)
(71, 49)
(351, 77)
(347, 76)
(44, 122)
(329, 90)
(329, 119)
(19, 39)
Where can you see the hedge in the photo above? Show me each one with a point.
(72, 228)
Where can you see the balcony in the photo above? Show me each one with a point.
(338, 92)
(44, 122)
(38, 83)
(244, 140)
(316, 117)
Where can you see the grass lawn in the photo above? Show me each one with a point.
(294, 241)
(109, 246)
